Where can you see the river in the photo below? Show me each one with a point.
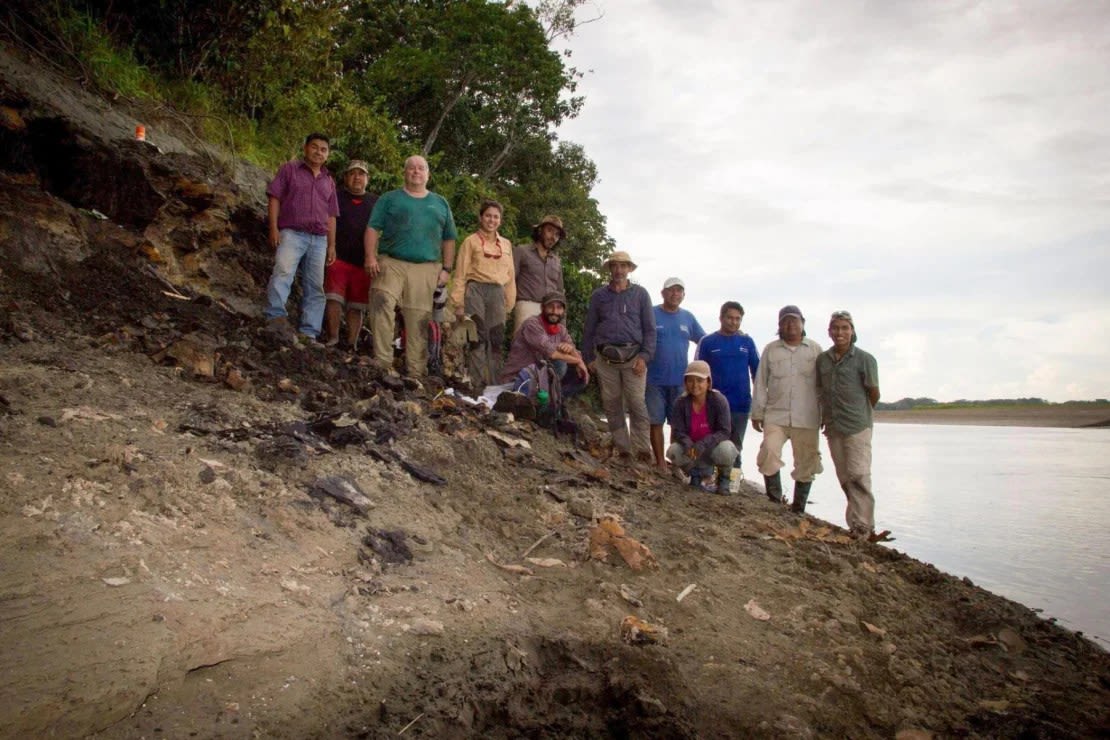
(1023, 512)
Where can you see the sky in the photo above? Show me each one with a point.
(939, 169)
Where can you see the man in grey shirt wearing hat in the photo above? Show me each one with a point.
(539, 270)
(784, 407)
(618, 342)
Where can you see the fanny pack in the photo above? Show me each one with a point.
(618, 353)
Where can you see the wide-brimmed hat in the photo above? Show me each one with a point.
(699, 369)
(619, 257)
(357, 164)
(552, 221)
(553, 297)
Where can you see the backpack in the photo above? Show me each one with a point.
(541, 376)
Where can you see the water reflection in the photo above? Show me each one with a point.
(1021, 511)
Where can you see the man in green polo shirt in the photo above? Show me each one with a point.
(410, 250)
(848, 389)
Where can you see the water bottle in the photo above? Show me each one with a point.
(542, 398)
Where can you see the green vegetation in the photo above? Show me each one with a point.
(474, 85)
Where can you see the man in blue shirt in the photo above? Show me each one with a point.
(733, 360)
(675, 329)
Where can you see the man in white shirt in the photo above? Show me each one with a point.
(785, 407)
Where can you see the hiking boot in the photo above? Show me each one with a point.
(517, 404)
(773, 484)
(279, 329)
(801, 495)
(724, 474)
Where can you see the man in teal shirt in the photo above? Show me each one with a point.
(848, 389)
(410, 251)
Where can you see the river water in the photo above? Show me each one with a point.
(1023, 512)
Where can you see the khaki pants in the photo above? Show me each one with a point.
(851, 454)
(803, 443)
(524, 310)
(623, 390)
(409, 285)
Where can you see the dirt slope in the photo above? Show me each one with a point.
(171, 567)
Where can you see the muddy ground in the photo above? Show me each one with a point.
(174, 566)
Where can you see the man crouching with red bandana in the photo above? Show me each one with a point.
(545, 338)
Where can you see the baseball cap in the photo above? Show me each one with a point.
(673, 281)
(791, 311)
(699, 369)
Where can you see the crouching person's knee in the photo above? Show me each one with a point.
(724, 453)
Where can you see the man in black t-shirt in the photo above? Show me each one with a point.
(346, 282)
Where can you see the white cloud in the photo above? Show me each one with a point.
(941, 169)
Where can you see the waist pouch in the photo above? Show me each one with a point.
(618, 354)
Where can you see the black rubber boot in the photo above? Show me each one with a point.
(723, 477)
(801, 495)
(773, 483)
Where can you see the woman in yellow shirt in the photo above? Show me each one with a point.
(484, 288)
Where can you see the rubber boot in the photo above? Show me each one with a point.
(801, 495)
(773, 483)
(724, 475)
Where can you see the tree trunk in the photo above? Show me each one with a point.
(464, 85)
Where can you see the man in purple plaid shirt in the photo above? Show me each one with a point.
(302, 211)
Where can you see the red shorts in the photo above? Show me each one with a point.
(349, 284)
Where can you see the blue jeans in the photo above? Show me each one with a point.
(299, 251)
(739, 426)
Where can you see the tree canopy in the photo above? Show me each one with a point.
(474, 85)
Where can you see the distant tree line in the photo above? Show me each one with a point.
(905, 404)
(473, 85)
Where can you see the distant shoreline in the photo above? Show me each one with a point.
(1028, 416)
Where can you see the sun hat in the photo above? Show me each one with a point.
(619, 257)
(699, 369)
(549, 221)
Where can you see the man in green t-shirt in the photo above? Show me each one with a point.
(410, 251)
(848, 389)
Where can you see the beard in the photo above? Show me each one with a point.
(552, 319)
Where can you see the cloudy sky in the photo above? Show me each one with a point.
(940, 169)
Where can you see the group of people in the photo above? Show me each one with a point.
(357, 252)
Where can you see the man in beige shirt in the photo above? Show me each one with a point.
(785, 407)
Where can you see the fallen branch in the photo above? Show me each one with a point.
(519, 570)
(410, 724)
(536, 544)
